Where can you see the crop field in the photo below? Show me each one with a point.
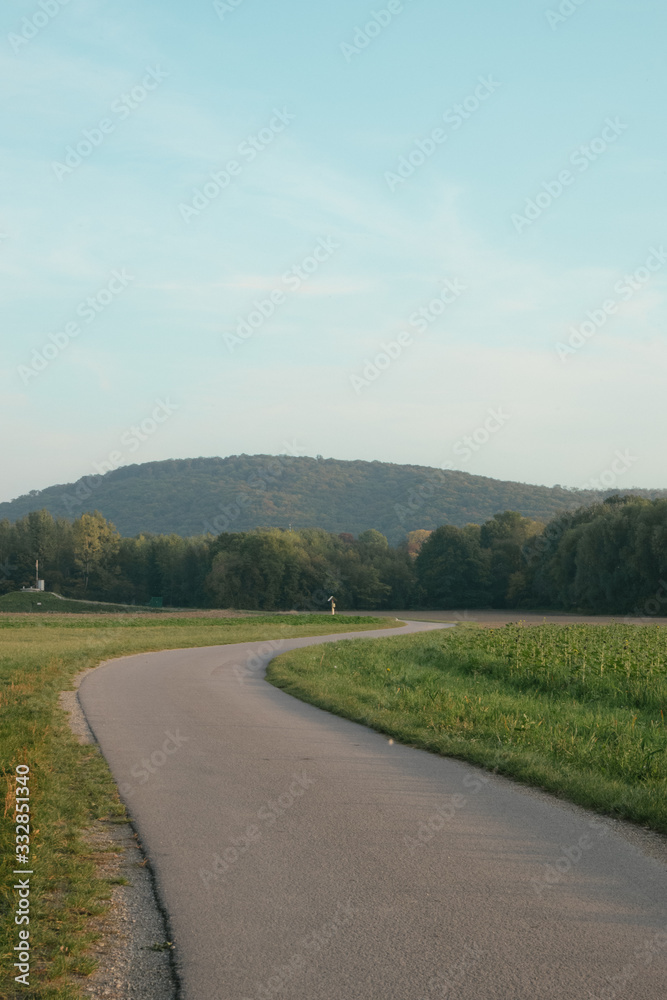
(71, 788)
(578, 710)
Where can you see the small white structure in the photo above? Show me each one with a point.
(333, 605)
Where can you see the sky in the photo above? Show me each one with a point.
(410, 231)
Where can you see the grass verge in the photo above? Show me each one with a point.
(40, 603)
(70, 785)
(576, 710)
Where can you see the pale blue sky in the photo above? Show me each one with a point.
(331, 125)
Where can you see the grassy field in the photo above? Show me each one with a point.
(70, 785)
(21, 601)
(578, 710)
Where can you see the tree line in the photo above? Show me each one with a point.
(610, 557)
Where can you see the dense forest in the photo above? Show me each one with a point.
(191, 497)
(610, 557)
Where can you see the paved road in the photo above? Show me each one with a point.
(302, 856)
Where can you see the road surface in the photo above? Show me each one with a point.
(302, 856)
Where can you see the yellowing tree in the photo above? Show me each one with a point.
(95, 539)
(415, 541)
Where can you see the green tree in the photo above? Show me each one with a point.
(452, 568)
(505, 537)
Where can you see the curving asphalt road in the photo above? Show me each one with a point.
(302, 856)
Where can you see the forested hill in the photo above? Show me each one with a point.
(200, 495)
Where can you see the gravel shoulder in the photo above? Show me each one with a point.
(134, 946)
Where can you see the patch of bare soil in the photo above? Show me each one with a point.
(496, 619)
